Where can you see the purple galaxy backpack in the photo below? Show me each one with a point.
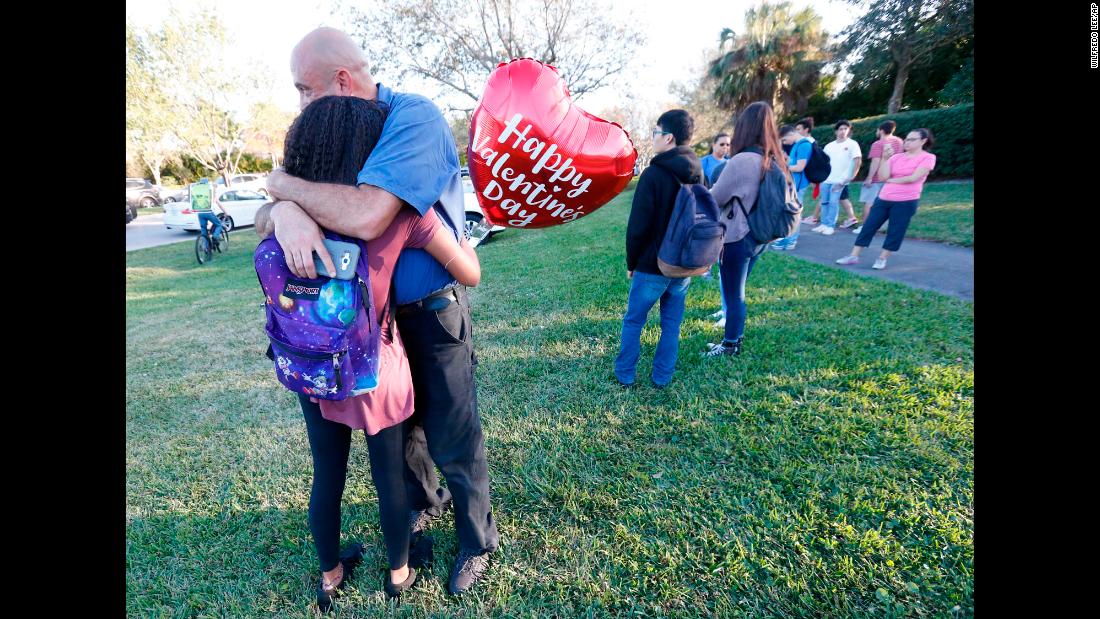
(324, 332)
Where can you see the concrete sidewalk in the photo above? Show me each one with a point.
(947, 269)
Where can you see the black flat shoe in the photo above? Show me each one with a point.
(420, 550)
(349, 558)
(394, 591)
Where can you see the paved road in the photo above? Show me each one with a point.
(149, 231)
(947, 269)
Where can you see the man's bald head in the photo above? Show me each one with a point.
(328, 62)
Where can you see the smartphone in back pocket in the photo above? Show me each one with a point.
(344, 255)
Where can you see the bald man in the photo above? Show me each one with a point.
(415, 164)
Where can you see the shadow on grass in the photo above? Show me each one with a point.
(244, 563)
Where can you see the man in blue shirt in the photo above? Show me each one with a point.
(800, 155)
(415, 162)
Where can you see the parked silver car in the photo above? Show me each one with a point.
(474, 214)
(141, 193)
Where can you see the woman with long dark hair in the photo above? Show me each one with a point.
(755, 147)
(328, 143)
(903, 175)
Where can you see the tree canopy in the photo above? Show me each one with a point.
(778, 59)
(458, 43)
(150, 121)
(183, 89)
(907, 32)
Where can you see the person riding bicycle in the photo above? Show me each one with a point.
(203, 202)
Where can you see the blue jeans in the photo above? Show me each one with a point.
(786, 242)
(721, 295)
(737, 261)
(645, 290)
(830, 203)
(205, 216)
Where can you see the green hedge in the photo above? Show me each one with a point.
(953, 128)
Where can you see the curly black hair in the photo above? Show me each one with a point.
(332, 137)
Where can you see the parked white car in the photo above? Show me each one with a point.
(251, 182)
(239, 205)
(474, 214)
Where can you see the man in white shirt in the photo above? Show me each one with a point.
(844, 159)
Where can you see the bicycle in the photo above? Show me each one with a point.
(204, 248)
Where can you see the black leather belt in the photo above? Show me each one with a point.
(433, 302)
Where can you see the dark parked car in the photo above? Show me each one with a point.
(141, 193)
(131, 213)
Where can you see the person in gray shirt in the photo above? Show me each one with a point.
(755, 146)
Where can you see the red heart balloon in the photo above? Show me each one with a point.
(537, 160)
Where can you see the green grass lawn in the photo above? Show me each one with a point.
(827, 472)
(945, 214)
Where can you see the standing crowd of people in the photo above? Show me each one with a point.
(734, 171)
(844, 159)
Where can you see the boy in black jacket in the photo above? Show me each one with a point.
(654, 198)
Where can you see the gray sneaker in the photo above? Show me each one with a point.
(469, 568)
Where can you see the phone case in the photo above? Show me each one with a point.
(344, 256)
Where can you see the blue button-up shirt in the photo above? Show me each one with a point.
(416, 160)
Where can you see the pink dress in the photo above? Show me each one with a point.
(392, 402)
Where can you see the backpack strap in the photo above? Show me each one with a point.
(750, 149)
(763, 174)
(739, 204)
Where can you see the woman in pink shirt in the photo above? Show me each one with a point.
(328, 143)
(903, 177)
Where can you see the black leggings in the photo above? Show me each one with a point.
(898, 213)
(330, 443)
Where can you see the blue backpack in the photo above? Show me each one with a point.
(693, 240)
(324, 333)
(776, 212)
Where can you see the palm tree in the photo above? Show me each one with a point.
(777, 60)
